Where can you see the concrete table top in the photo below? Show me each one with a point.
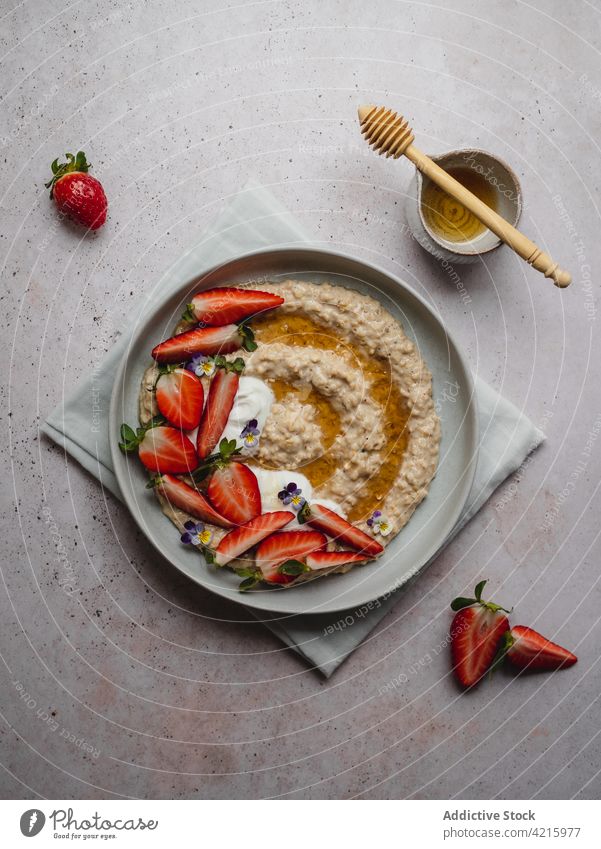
(139, 684)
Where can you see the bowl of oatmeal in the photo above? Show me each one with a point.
(277, 436)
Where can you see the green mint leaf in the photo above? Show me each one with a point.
(156, 421)
(248, 338)
(293, 567)
(248, 584)
(237, 366)
(189, 314)
(247, 572)
(304, 514)
(127, 433)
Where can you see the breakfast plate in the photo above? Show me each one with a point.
(432, 453)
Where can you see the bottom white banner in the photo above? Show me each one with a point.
(291, 825)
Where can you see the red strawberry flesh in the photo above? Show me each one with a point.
(220, 401)
(246, 536)
(180, 398)
(202, 340)
(234, 491)
(328, 559)
(165, 449)
(286, 545)
(475, 636)
(340, 530)
(530, 650)
(190, 500)
(227, 305)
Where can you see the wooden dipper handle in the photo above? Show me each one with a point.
(521, 244)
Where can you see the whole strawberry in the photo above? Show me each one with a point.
(76, 193)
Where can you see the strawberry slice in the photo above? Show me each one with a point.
(190, 500)
(220, 401)
(476, 631)
(527, 649)
(160, 448)
(228, 305)
(180, 398)
(234, 491)
(241, 539)
(286, 545)
(204, 340)
(327, 559)
(338, 528)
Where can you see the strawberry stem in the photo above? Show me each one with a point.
(227, 450)
(507, 640)
(130, 438)
(461, 601)
(74, 163)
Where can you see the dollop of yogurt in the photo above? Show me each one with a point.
(272, 481)
(254, 400)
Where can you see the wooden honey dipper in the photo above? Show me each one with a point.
(389, 134)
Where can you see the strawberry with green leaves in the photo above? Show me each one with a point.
(526, 649)
(76, 193)
(161, 448)
(476, 632)
(481, 640)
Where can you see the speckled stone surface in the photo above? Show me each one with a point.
(119, 678)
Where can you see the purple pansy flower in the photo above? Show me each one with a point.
(196, 534)
(379, 523)
(292, 495)
(250, 435)
(202, 366)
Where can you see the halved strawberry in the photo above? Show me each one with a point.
(180, 398)
(527, 649)
(190, 500)
(220, 401)
(241, 539)
(204, 340)
(286, 545)
(234, 491)
(228, 305)
(338, 528)
(160, 448)
(327, 559)
(476, 631)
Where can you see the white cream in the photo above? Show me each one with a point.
(254, 400)
(272, 481)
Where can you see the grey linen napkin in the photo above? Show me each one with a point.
(251, 220)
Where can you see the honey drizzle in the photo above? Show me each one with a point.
(300, 331)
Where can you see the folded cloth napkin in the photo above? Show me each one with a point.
(251, 220)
